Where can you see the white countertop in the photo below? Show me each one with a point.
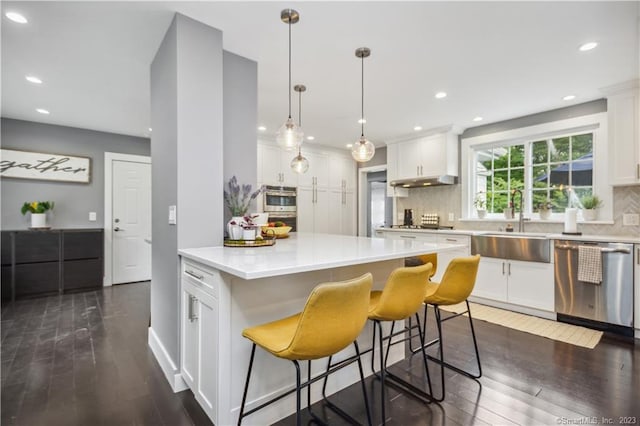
(303, 252)
(552, 236)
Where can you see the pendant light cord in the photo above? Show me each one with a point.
(299, 117)
(362, 98)
(289, 63)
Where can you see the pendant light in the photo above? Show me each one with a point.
(290, 135)
(299, 164)
(363, 149)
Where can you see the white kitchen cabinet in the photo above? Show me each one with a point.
(528, 284)
(313, 209)
(428, 156)
(199, 336)
(274, 166)
(623, 116)
(636, 320)
(342, 218)
(318, 172)
(342, 172)
(392, 173)
(447, 256)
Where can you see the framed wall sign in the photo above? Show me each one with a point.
(44, 166)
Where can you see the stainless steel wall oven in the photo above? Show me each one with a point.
(281, 204)
(279, 199)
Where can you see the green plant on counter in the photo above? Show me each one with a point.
(480, 202)
(590, 202)
(37, 207)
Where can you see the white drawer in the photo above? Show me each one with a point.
(454, 239)
(202, 276)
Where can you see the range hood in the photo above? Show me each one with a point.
(422, 182)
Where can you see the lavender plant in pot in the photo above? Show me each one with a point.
(238, 198)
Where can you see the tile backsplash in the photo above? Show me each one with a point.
(447, 199)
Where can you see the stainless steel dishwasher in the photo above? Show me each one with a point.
(608, 305)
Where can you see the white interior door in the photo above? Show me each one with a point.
(131, 222)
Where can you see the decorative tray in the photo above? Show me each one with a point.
(266, 242)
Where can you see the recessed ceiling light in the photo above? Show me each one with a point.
(349, 145)
(417, 128)
(33, 79)
(569, 97)
(362, 121)
(16, 17)
(310, 138)
(262, 128)
(477, 119)
(150, 129)
(441, 95)
(588, 46)
(42, 111)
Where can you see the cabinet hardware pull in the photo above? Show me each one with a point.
(190, 314)
(638, 170)
(638, 257)
(602, 250)
(451, 239)
(417, 170)
(194, 275)
(502, 268)
(509, 269)
(421, 171)
(407, 236)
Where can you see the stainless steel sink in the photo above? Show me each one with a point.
(512, 245)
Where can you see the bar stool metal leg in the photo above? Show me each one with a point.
(246, 385)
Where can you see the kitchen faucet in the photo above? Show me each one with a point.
(521, 215)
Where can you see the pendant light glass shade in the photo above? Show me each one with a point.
(299, 164)
(363, 150)
(289, 135)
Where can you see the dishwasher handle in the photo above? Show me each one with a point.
(602, 250)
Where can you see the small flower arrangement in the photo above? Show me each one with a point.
(238, 197)
(37, 207)
(248, 223)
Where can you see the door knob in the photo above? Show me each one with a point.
(116, 229)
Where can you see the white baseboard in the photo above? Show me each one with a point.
(515, 308)
(169, 368)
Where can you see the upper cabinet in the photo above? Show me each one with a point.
(623, 111)
(342, 172)
(274, 166)
(432, 155)
(318, 172)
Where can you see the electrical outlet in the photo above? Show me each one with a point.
(630, 219)
(92, 217)
(452, 217)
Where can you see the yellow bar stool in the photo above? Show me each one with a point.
(457, 284)
(334, 315)
(401, 298)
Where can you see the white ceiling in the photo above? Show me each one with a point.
(495, 60)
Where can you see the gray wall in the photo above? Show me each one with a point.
(73, 201)
(240, 118)
(186, 116)
(379, 158)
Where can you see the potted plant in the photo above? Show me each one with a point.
(249, 227)
(480, 203)
(238, 198)
(38, 210)
(590, 204)
(545, 209)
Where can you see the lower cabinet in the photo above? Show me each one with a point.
(447, 256)
(199, 336)
(527, 284)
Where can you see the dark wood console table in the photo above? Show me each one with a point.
(52, 261)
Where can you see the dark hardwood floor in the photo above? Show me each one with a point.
(83, 359)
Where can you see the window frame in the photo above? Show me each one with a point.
(594, 123)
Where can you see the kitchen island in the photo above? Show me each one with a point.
(226, 289)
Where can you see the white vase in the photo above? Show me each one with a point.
(249, 234)
(508, 213)
(545, 214)
(589, 214)
(481, 213)
(38, 220)
(235, 230)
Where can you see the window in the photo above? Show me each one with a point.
(557, 170)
